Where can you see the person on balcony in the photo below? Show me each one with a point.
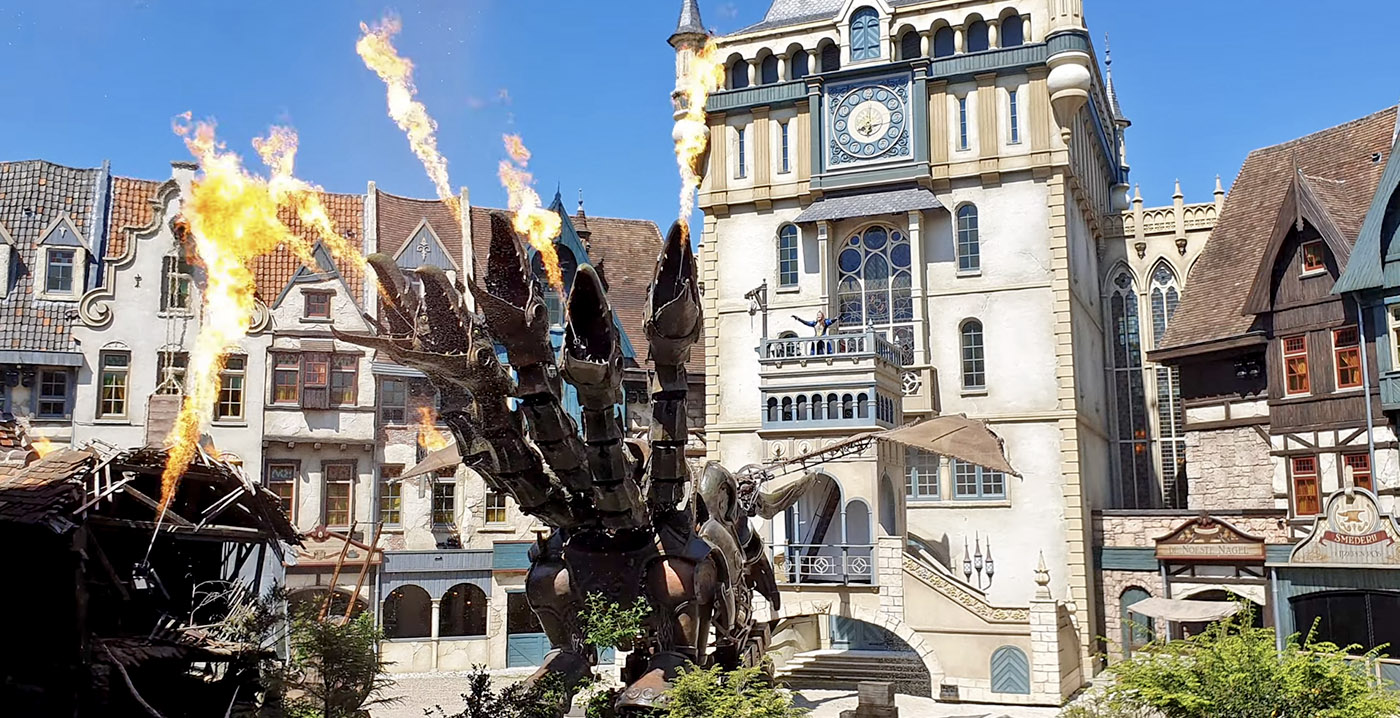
(822, 326)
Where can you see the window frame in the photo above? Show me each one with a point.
(344, 377)
(1309, 269)
(1288, 368)
(741, 154)
(316, 295)
(967, 239)
(175, 365)
(385, 406)
(316, 380)
(176, 274)
(784, 143)
(389, 478)
(1013, 116)
(788, 256)
(226, 376)
(974, 366)
(349, 484)
(962, 124)
(436, 510)
(495, 503)
(292, 369)
(982, 478)
(292, 483)
(1296, 479)
(916, 488)
(1351, 347)
(124, 372)
(861, 22)
(1360, 463)
(72, 274)
(42, 396)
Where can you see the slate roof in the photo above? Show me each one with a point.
(1365, 269)
(347, 213)
(131, 208)
(45, 489)
(870, 204)
(1338, 165)
(33, 194)
(689, 22)
(783, 13)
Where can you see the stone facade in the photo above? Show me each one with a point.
(1229, 469)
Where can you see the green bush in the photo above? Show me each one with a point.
(335, 670)
(712, 693)
(1233, 670)
(606, 624)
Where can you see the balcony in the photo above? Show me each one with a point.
(842, 381)
(825, 564)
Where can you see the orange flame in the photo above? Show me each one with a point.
(428, 435)
(232, 217)
(703, 75)
(376, 48)
(43, 446)
(539, 225)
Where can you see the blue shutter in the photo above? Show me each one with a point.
(1011, 672)
(865, 34)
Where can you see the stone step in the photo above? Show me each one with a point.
(846, 669)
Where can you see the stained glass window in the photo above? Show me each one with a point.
(1135, 485)
(875, 283)
(1171, 430)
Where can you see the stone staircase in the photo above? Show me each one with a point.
(843, 670)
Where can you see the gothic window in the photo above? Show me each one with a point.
(865, 34)
(874, 285)
(977, 40)
(768, 70)
(944, 42)
(1171, 429)
(787, 256)
(974, 363)
(969, 241)
(1133, 458)
(910, 45)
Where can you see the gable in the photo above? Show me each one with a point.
(1300, 211)
(325, 271)
(425, 248)
(62, 233)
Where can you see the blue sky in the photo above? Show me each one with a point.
(587, 84)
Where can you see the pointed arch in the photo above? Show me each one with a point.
(1134, 485)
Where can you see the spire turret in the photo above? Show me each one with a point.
(581, 221)
(1113, 107)
(689, 24)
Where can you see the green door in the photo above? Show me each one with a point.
(526, 643)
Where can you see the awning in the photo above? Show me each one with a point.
(869, 205)
(443, 458)
(956, 437)
(38, 358)
(1180, 610)
(380, 368)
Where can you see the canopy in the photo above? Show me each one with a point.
(956, 437)
(446, 457)
(870, 204)
(1181, 610)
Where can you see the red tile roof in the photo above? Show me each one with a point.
(347, 212)
(396, 218)
(46, 488)
(1339, 166)
(131, 208)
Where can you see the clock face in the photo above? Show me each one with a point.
(869, 121)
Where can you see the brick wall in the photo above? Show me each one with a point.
(1229, 469)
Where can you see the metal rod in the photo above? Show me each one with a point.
(1366, 382)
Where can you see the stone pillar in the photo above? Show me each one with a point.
(825, 261)
(433, 627)
(1026, 28)
(1045, 641)
(751, 67)
(925, 44)
(916, 243)
(958, 39)
(783, 68)
(889, 575)
(988, 120)
(938, 122)
(992, 34)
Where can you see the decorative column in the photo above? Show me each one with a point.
(824, 255)
(992, 34)
(926, 44)
(783, 68)
(924, 353)
(751, 67)
(433, 628)
(958, 39)
(938, 122)
(1045, 640)
(1026, 28)
(889, 575)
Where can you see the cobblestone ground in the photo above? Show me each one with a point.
(422, 691)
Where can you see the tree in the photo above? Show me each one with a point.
(1233, 670)
(335, 670)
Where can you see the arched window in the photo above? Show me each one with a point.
(974, 363)
(874, 286)
(462, 611)
(944, 42)
(1171, 416)
(1133, 458)
(1012, 32)
(910, 45)
(739, 74)
(408, 613)
(889, 507)
(787, 256)
(1011, 671)
(969, 243)
(768, 70)
(865, 34)
(977, 36)
(831, 58)
(553, 301)
(800, 65)
(1137, 630)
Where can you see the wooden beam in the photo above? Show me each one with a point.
(169, 513)
(210, 533)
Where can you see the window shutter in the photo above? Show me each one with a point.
(315, 380)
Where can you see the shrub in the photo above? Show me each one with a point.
(606, 624)
(335, 670)
(713, 693)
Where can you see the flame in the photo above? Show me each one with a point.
(43, 446)
(704, 74)
(232, 216)
(376, 48)
(539, 225)
(428, 435)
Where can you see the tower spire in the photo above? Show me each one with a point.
(689, 23)
(1113, 107)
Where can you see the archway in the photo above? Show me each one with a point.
(313, 599)
(408, 613)
(889, 507)
(462, 611)
(913, 647)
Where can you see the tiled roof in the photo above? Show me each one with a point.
(1339, 167)
(869, 204)
(131, 208)
(396, 218)
(45, 489)
(347, 213)
(33, 194)
(783, 13)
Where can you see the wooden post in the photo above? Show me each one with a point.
(359, 582)
(335, 574)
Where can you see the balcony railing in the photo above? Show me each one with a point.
(834, 346)
(851, 408)
(839, 564)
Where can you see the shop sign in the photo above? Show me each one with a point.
(1351, 531)
(1209, 539)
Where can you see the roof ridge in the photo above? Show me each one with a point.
(51, 163)
(410, 199)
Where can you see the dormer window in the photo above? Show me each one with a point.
(865, 35)
(58, 270)
(1314, 257)
(317, 305)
